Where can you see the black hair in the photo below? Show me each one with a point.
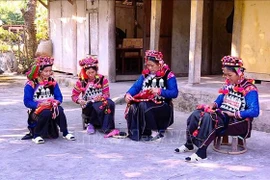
(153, 59)
(92, 67)
(44, 66)
(232, 68)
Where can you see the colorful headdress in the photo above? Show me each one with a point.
(88, 62)
(156, 56)
(232, 61)
(39, 64)
(153, 55)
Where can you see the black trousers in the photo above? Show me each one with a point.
(98, 118)
(146, 116)
(208, 129)
(43, 124)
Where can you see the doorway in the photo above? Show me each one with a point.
(133, 18)
(129, 37)
(217, 34)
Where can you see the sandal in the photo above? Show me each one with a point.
(121, 135)
(69, 137)
(38, 140)
(112, 133)
(182, 149)
(194, 158)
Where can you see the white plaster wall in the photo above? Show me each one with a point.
(69, 35)
(56, 32)
(106, 55)
(180, 37)
(82, 36)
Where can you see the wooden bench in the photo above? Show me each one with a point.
(230, 144)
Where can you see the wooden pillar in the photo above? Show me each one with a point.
(195, 47)
(106, 50)
(155, 24)
(92, 27)
(237, 26)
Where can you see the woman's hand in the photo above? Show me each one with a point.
(155, 91)
(44, 103)
(82, 102)
(98, 98)
(212, 106)
(230, 114)
(128, 98)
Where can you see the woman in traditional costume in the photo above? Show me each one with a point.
(231, 113)
(97, 107)
(43, 97)
(149, 101)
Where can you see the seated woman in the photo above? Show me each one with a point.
(231, 113)
(149, 110)
(43, 97)
(95, 101)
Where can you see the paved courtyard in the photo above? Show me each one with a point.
(94, 157)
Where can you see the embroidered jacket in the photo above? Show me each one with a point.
(91, 89)
(241, 99)
(36, 91)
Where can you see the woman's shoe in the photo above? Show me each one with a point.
(182, 149)
(194, 158)
(90, 129)
(69, 137)
(157, 137)
(38, 140)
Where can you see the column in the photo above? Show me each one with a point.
(106, 51)
(155, 24)
(195, 47)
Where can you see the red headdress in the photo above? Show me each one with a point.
(156, 56)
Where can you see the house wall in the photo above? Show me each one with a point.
(63, 35)
(69, 44)
(106, 36)
(75, 33)
(56, 32)
(82, 32)
(180, 37)
(255, 38)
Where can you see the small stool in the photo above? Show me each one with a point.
(84, 121)
(236, 146)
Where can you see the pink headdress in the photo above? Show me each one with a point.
(88, 62)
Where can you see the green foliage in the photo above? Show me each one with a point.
(7, 36)
(7, 39)
(42, 23)
(10, 14)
